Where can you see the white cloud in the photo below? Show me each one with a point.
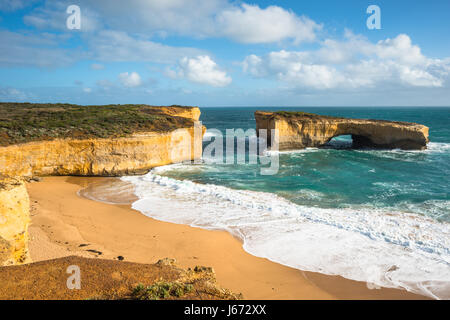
(184, 17)
(400, 49)
(291, 67)
(13, 5)
(201, 69)
(31, 49)
(130, 80)
(52, 15)
(353, 63)
(213, 18)
(12, 94)
(44, 49)
(251, 24)
(116, 46)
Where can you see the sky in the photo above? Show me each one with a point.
(226, 53)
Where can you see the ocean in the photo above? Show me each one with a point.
(379, 216)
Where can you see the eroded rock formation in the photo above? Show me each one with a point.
(298, 130)
(14, 221)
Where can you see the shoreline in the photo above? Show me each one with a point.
(62, 220)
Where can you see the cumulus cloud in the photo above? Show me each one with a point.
(251, 24)
(353, 63)
(130, 80)
(201, 69)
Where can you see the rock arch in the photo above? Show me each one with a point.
(298, 130)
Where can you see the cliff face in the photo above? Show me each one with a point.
(101, 157)
(14, 220)
(301, 130)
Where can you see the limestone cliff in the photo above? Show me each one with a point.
(101, 157)
(14, 220)
(298, 130)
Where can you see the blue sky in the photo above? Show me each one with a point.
(226, 53)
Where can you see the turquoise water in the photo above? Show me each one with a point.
(414, 181)
(379, 216)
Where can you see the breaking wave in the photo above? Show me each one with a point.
(387, 248)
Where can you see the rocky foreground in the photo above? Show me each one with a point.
(298, 130)
(109, 279)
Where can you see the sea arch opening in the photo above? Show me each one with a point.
(341, 141)
(349, 141)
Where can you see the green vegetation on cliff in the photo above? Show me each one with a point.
(25, 122)
(296, 114)
(161, 290)
(312, 116)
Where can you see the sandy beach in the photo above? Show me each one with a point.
(65, 223)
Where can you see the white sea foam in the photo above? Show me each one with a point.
(432, 148)
(299, 151)
(390, 249)
(438, 147)
(438, 209)
(397, 154)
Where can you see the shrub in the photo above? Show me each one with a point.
(161, 290)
